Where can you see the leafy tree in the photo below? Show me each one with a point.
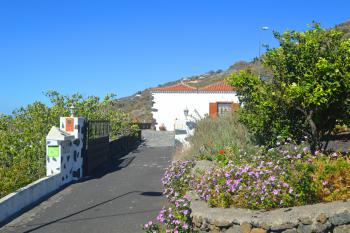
(309, 92)
(22, 135)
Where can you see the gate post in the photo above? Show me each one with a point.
(75, 126)
(58, 145)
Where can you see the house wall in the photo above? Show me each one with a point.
(170, 106)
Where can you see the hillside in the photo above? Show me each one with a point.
(139, 105)
(344, 27)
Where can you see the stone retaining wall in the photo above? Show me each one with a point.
(319, 218)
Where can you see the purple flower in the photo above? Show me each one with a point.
(306, 149)
(275, 192)
(324, 183)
(185, 226)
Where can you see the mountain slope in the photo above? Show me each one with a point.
(139, 105)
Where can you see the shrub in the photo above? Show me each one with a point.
(176, 179)
(176, 217)
(332, 175)
(213, 134)
(285, 176)
(308, 91)
(22, 135)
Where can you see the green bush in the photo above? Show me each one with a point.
(307, 93)
(279, 177)
(22, 135)
(220, 133)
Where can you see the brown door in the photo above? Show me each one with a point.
(213, 109)
(235, 106)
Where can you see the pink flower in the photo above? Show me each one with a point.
(306, 149)
(324, 183)
(185, 226)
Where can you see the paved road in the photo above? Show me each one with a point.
(118, 198)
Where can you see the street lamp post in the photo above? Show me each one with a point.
(264, 28)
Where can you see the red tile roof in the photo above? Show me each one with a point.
(181, 87)
(219, 86)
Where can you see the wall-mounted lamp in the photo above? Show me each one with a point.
(186, 112)
(72, 110)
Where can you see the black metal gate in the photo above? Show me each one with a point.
(97, 145)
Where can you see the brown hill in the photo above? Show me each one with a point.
(139, 105)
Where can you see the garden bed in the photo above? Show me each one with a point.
(321, 217)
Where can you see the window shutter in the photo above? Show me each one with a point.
(213, 109)
(235, 106)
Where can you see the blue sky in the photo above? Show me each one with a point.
(98, 47)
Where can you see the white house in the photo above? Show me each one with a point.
(171, 103)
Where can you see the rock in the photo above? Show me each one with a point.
(322, 218)
(304, 229)
(234, 229)
(246, 227)
(223, 223)
(342, 229)
(305, 220)
(205, 225)
(258, 230)
(283, 226)
(320, 228)
(290, 231)
(197, 221)
(340, 219)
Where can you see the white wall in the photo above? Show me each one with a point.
(26, 196)
(171, 105)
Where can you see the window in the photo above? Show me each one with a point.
(224, 108)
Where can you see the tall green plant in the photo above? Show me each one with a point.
(309, 91)
(22, 135)
(215, 134)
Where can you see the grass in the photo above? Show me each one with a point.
(215, 134)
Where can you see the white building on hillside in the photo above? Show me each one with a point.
(171, 103)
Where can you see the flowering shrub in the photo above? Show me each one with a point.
(287, 175)
(175, 218)
(333, 177)
(246, 186)
(283, 176)
(176, 179)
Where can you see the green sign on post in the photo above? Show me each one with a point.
(53, 151)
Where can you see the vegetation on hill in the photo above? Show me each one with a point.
(140, 104)
(22, 135)
(345, 28)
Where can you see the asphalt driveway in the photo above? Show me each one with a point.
(121, 196)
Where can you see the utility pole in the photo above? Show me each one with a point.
(264, 28)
